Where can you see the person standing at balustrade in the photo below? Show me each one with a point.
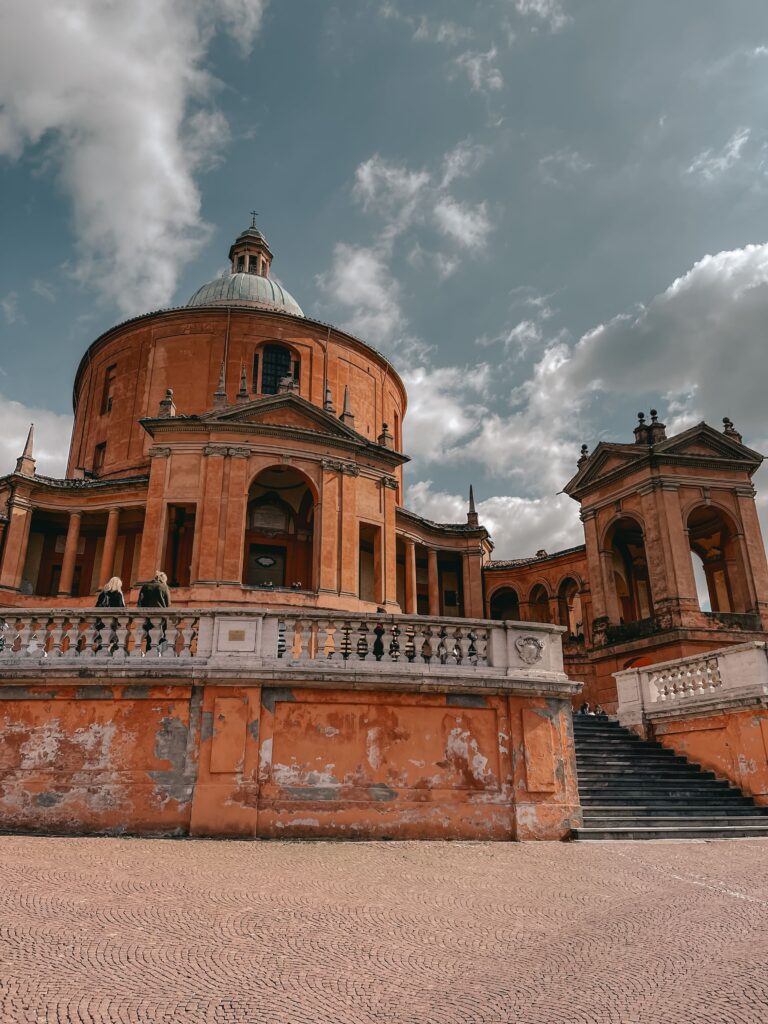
(111, 595)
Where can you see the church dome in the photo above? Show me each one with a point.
(246, 289)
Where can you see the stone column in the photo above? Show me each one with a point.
(237, 508)
(434, 582)
(472, 585)
(211, 513)
(753, 549)
(152, 535)
(411, 601)
(350, 534)
(327, 527)
(389, 544)
(594, 565)
(70, 554)
(16, 542)
(110, 545)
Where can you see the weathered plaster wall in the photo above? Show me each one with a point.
(733, 744)
(278, 761)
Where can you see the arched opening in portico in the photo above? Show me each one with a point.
(717, 561)
(279, 530)
(538, 604)
(569, 607)
(505, 604)
(629, 565)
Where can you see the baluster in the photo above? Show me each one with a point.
(135, 642)
(410, 643)
(394, 643)
(88, 636)
(427, 646)
(463, 645)
(335, 640)
(305, 639)
(5, 647)
(361, 628)
(378, 643)
(442, 646)
(322, 639)
(345, 645)
(186, 632)
(155, 638)
(59, 634)
(282, 642)
(29, 640)
(120, 645)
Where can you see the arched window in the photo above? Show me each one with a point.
(538, 604)
(569, 607)
(717, 563)
(505, 604)
(277, 362)
(626, 544)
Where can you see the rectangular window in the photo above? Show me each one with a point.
(256, 373)
(108, 389)
(99, 455)
(240, 264)
(254, 264)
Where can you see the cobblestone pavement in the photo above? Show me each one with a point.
(108, 930)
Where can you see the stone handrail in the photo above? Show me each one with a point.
(291, 640)
(698, 681)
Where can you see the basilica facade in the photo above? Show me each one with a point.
(256, 456)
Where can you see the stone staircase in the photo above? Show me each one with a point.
(633, 789)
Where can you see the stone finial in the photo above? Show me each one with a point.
(641, 430)
(730, 431)
(472, 516)
(167, 406)
(385, 439)
(584, 455)
(220, 394)
(25, 464)
(242, 395)
(346, 413)
(656, 431)
(328, 399)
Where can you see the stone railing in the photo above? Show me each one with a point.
(240, 639)
(730, 674)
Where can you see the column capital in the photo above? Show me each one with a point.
(159, 452)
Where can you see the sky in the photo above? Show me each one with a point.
(548, 214)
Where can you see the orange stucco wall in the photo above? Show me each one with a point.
(252, 762)
(734, 744)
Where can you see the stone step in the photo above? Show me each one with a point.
(671, 821)
(690, 787)
(643, 799)
(674, 832)
(630, 759)
(637, 811)
(674, 773)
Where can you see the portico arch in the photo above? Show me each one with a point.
(505, 604)
(279, 530)
(717, 560)
(569, 606)
(625, 543)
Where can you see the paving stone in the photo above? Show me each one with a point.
(119, 931)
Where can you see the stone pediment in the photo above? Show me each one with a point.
(286, 410)
(605, 460)
(703, 441)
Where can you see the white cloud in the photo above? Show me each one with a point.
(466, 225)
(441, 411)
(119, 96)
(361, 283)
(52, 432)
(481, 69)
(462, 161)
(709, 165)
(10, 307)
(44, 290)
(565, 163)
(549, 11)
(445, 32)
(518, 526)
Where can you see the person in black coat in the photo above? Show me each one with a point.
(111, 595)
(155, 594)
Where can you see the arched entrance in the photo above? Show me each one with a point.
(626, 544)
(538, 604)
(569, 607)
(717, 561)
(505, 604)
(279, 531)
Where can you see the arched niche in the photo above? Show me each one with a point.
(629, 563)
(279, 530)
(569, 607)
(538, 604)
(718, 565)
(505, 604)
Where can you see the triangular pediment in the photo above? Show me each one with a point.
(289, 411)
(605, 460)
(703, 441)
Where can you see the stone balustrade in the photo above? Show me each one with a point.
(726, 677)
(235, 640)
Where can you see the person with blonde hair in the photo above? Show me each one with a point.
(111, 595)
(155, 594)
